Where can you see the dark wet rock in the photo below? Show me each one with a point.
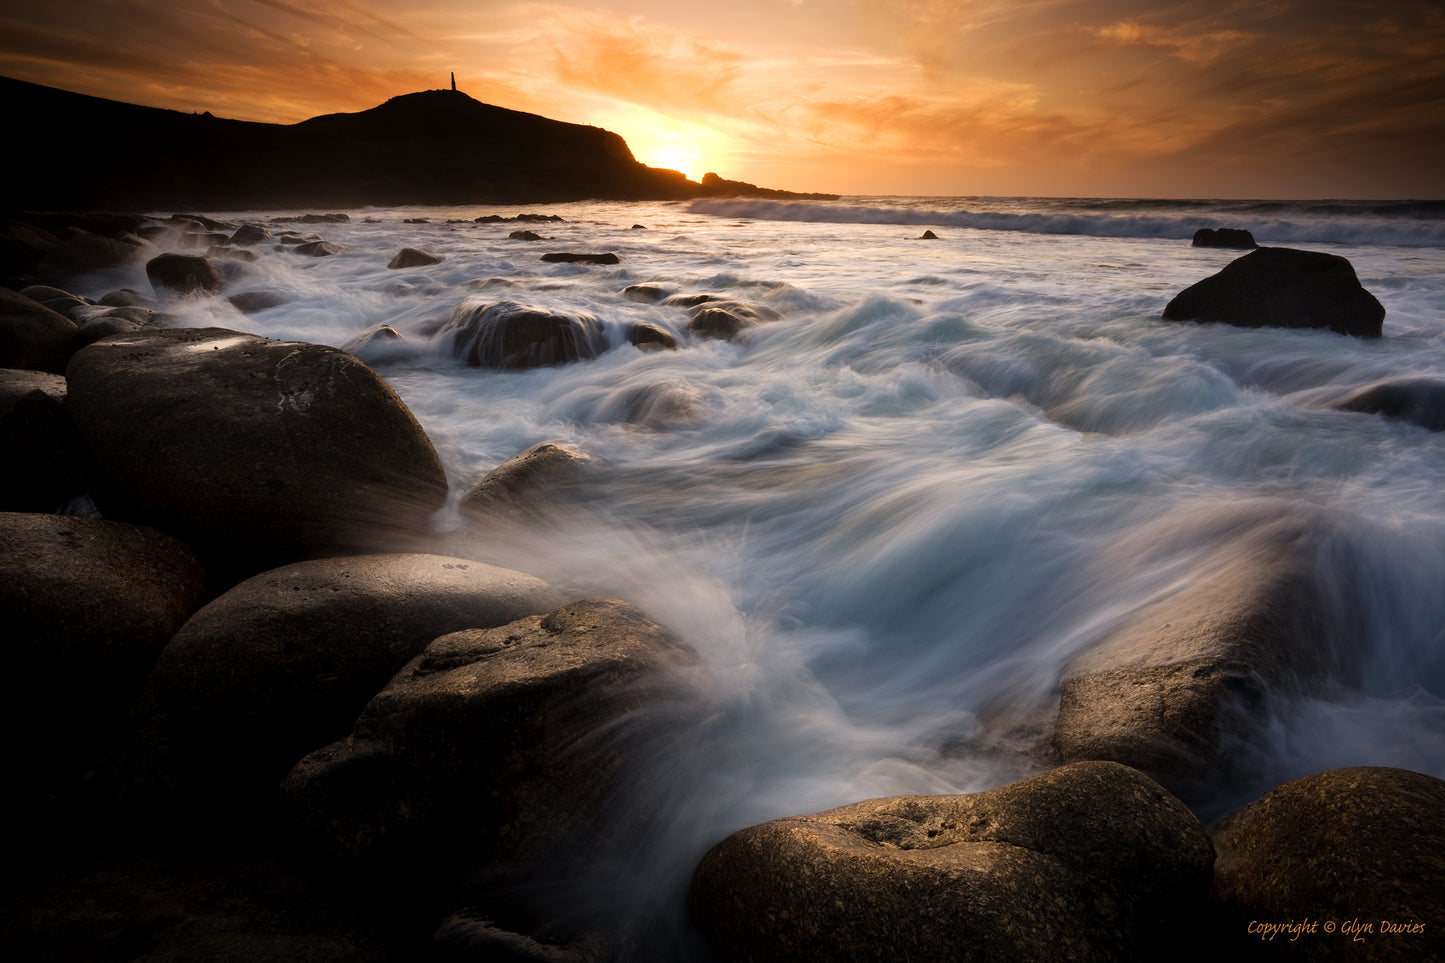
(126, 298)
(46, 462)
(183, 274)
(464, 937)
(98, 321)
(1420, 401)
(528, 218)
(337, 218)
(285, 660)
(569, 258)
(928, 236)
(56, 299)
(1224, 237)
(232, 254)
(1092, 861)
(542, 480)
(33, 336)
(409, 257)
(22, 245)
(248, 234)
(645, 293)
(660, 404)
(509, 335)
(1280, 287)
(87, 252)
(88, 605)
(250, 302)
(1184, 676)
(291, 240)
(690, 300)
(526, 236)
(260, 450)
(502, 747)
(318, 249)
(718, 324)
(416, 220)
(649, 337)
(1365, 845)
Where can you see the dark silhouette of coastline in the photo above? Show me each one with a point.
(430, 147)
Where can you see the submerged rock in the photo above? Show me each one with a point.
(503, 747)
(285, 660)
(250, 302)
(725, 320)
(1163, 691)
(645, 293)
(569, 258)
(1092, 861)
(528, 486)
(1420, 401)
(509, 335)
(649, 337)
(318, 249)
(1224, 237)
(259, 450)
(409, 257)
(1280, 287)
(1364, 845)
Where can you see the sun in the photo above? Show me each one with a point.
(658, 140)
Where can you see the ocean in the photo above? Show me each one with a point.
(887, 520)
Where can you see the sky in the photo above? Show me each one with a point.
(1076, 98)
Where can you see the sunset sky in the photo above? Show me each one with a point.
(1199, 98)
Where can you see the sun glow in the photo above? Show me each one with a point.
(660, 141)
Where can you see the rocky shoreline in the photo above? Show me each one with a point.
(257, 722)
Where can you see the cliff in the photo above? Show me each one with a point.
(431, 147)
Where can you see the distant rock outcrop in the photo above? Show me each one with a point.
(430, 147)
(1224, 237)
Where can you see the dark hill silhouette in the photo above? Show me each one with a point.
(432, 147)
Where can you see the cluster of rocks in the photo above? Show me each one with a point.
(260, 724)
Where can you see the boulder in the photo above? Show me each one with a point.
(928, 236)
(261, 451)
(526, 487)
(1280, 287)
(526, 236)
(508, 335)
(127, 298)
(87, 252)
(568, 258)
(717, 324)
(250, 302)
(318, 249)
(248, 234)
(501, 747)
(183, 274)
(649, 337)
(46, 462)
(1166, 689)
(33, 336)
(1420, 401)
(1355, 856)
(409, 257)
(1092, 861)
(56, 299)
(1224, 237)
(645, 293)
(285, 660)
(88, 605)
(377, 344)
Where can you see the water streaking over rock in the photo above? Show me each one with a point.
(894, 511)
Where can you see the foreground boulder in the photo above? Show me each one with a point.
(504, 746)
(1167, 689)
(290, 656)
(258, 449)
(1420, 401)
(183, 274)
(1091, 861)
(1280, 287)
(508, 335)
(33, 336)
(87, 606)
(1359, 853)
(46, 462)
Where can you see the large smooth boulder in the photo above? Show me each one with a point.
(289, 657)
(1420, 401)
(1280, 287)
(508, 335)
(1092, 861)
(87, 606)
(1166, 689)
(183, 274)
(1358, 852)
(503, 747)
(46, 462)
(33, 336)
(263, 450)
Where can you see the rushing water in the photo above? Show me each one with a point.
(889, 519)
